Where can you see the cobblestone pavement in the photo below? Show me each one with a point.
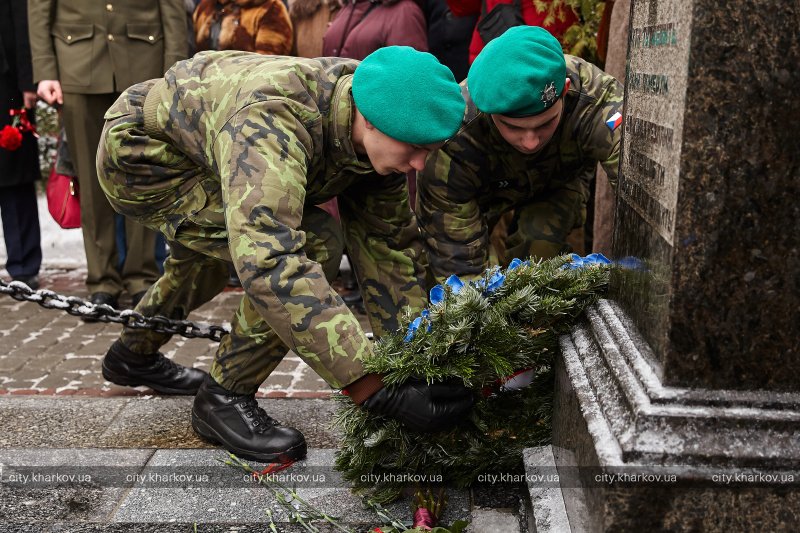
(44, 351)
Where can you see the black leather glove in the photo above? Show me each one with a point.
(422, 407)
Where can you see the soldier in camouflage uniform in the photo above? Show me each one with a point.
(227, 156)
(537, 123)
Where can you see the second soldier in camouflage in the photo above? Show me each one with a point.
(227, 156)
(537, 123)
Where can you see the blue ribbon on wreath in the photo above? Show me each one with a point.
(497, 279)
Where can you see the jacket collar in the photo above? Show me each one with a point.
(340, 129)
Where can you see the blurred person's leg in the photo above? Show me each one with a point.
(83, 121)
(139, 270)
(21, 230)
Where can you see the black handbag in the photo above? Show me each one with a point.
(502, 17)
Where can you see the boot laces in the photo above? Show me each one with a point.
(261, 420)
(167, 365)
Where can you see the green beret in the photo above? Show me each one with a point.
(408, 95)
(519, 74)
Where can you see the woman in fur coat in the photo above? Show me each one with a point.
(261, 26)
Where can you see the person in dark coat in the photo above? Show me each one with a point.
(449, 36)
(19, 169)
(565, 17)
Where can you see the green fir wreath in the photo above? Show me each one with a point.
(481, 333)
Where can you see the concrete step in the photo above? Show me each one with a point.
(180, 486)
(136, 465)
(547, 513)
(138, 421)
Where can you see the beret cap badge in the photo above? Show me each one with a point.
(549, 95)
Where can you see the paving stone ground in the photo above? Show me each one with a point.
(45, 351)
(58, 416)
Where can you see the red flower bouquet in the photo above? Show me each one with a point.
(11, 135)
(10, 138)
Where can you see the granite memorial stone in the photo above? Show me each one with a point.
(678, 400)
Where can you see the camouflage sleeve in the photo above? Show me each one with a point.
(600, 139)
(384, 245)
(453, 229)
(263, 153)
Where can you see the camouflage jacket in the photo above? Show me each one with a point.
(477, 175)
(275, 132)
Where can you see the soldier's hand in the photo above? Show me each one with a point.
(422, 407)
(50, 92)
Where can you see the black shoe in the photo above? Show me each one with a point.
(124, 367)
(242, 427)
(100, 298)
(136, 298)
(30, 281)
(353, 297)
(233, 277)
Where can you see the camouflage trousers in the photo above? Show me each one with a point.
(540, 229)
(192, 218)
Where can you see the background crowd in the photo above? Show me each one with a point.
(79, 55)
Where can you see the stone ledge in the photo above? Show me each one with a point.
(548, 513)
(635, 420)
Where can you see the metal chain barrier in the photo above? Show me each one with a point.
(105, 313)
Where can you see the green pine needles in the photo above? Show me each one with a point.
(479, 333)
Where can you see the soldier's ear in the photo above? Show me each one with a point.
(368, 124)
(566, 87)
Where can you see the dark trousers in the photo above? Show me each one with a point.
(21, 230)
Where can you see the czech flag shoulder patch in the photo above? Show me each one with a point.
(615, 120)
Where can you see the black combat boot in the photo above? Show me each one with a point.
(124, 367)
(236, 422)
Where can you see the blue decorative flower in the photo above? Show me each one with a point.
(495, 282)
(596, 259)
(426, 316)
(438, 292)
(577, 261)
(455, 283)
(516, 263)
(437, 295)
(412, 329)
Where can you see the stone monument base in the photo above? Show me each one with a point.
(632, 453)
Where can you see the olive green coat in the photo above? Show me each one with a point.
(107, 46)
